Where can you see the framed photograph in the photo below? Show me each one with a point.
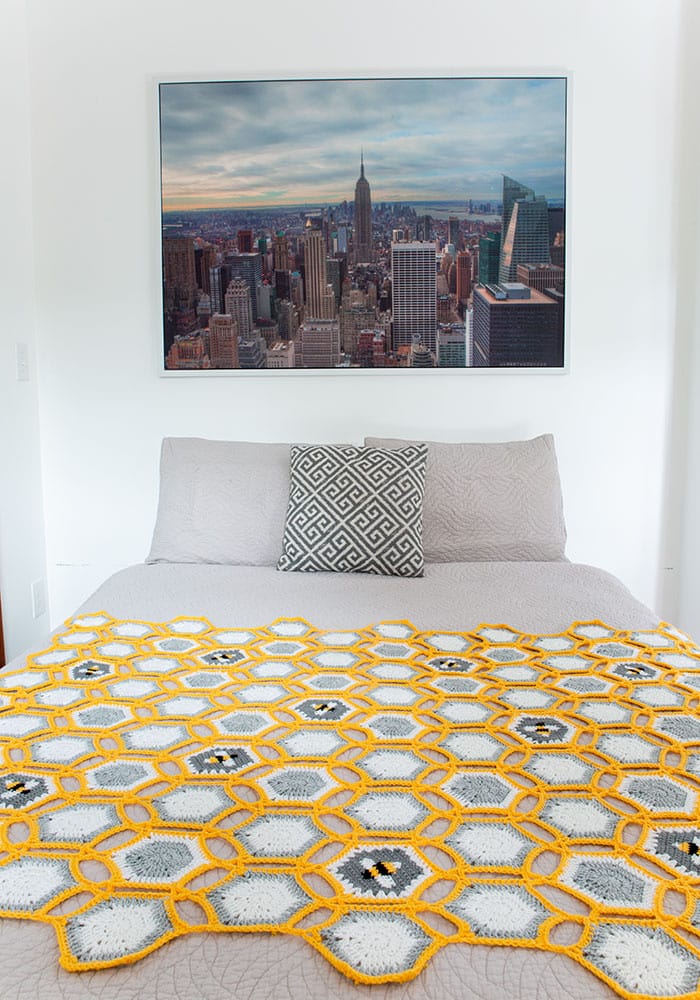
(345, 225)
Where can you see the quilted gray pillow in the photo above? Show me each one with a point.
(221, 502)
(355, 510)
(488, 502)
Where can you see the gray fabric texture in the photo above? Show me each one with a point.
(355, 510)
(221, 502)
(530, 596)
(490, 502)
(275, 967)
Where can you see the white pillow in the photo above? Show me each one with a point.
(491, 502)
(221, 502)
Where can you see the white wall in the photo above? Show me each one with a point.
(683, 508)
(22, 554)
(103, 408)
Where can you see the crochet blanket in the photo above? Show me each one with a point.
(380, 793)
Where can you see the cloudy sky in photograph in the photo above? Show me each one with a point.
(250, 144)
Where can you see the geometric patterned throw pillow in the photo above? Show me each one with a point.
(355, 510)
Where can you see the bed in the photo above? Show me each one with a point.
(475, 776)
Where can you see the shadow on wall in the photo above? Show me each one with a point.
(678, 587)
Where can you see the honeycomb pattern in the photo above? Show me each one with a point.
(380, 793)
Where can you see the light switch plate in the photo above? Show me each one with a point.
(22, 355)
(39, 598)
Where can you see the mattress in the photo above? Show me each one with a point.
(533, 597)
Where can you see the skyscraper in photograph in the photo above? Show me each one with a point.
(249, 267)
(413, 290)
(516, 326)
(266, 294)
(512, 190)
(333, 276)
(281, 355)
(489, 258)
(203, 310)
(217, 276)
(319, 340)
(238, 265)
(187, 353)
(280, 252)
(464, 275)
(238, 306)
(179, 272)
(526, 239)
(282, 281)
(363, 218)
(541, 276)
(342, 239)
(353, 319)
(223, 341)
(421, 357)
(204, 259)
(525, 235)
(556, 222)
(245, 240)
(287, 321)
(452, 346)
(424, 227)
(320, 298)
(444, 308)
(371, 348)
(252, 352)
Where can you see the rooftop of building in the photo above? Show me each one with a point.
(497, 295)
(542, 267)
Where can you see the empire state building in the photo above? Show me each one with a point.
(363, 218)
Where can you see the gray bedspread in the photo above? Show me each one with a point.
(536, 597)
(539, 597)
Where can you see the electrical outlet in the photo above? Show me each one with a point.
(39, 598)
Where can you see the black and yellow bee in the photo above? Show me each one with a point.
(380, 868)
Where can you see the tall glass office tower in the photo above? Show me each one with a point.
(525, 231)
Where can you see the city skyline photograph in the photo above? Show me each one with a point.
(388, 224)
